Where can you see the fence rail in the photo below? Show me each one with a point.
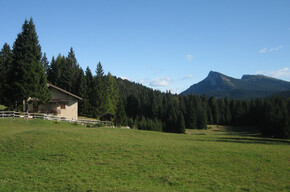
(14, 114)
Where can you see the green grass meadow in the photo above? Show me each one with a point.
(40, 155)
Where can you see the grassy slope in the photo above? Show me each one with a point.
(40, 155)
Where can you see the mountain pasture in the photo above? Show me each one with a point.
(40, 155)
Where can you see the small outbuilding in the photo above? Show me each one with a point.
(62, 104)
(106, 117)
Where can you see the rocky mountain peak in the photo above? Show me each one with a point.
(249, 86)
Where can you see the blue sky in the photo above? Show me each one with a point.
(163, 44)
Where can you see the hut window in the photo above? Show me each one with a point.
(62, 106)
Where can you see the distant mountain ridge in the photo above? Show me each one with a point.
(249, 86)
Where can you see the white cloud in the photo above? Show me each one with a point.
(263, 50)
(144, 81)
(187, 77)
(125, 78)
(162, 81)
(157, 72)
(275, 49)
(280, 73)
(270, 49)
(189, 57)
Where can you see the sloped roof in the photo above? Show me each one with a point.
(64, 91)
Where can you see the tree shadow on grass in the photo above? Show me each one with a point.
(240, 130)
(249, 135)
(254, 140)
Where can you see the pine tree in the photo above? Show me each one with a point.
(191, 117)
(88, 96)
(112, 93)
(133, 106)
(100, 99)
(171, 122)
(154, 108)
(222, 109)
(120, 118)
(182, 104)
(5, 67)
(81, 90)
(45, 63)
(180, 124)
(27, 76)
(73, 68)
(214, 110)
(53, 72)
(99, 70)
(201, 115)
(228, 114)
(65, 72)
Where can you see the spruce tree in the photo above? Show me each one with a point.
(88, 97)
(65, 73)
(5, 67)
(53, 72)
(120, 117)
(112, 93)
(191, 117)
(214, 110)
(99, 70)
(27, 76)
(81, 89)
(228, 114)
(45, 64)
(73, 68)
(180, 124)
(171, 122)
(100, 99)
(154, 108)
(201, 114)
(133, 106)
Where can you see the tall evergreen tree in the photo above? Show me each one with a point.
(88, 99)
(171, 118)
(81, 90)
(27, 76)
(214, 110)
(133, 106)
(65, 71)
(99, 70)
(180, 124)
(112, 93)
(100, 99)
(120, 117)
(191, 117)
(73, 68)
(53, 72)
(5, 67)
(45, 64)
(227, 115)
(154, 107)
(201, 115)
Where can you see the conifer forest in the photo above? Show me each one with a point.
(25, 71)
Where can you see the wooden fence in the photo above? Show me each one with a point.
(14, 114)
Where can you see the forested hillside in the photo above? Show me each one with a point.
(24, 71)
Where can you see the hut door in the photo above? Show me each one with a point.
(35, 108)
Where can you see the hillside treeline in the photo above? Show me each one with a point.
(271, 115)
(24, 72)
